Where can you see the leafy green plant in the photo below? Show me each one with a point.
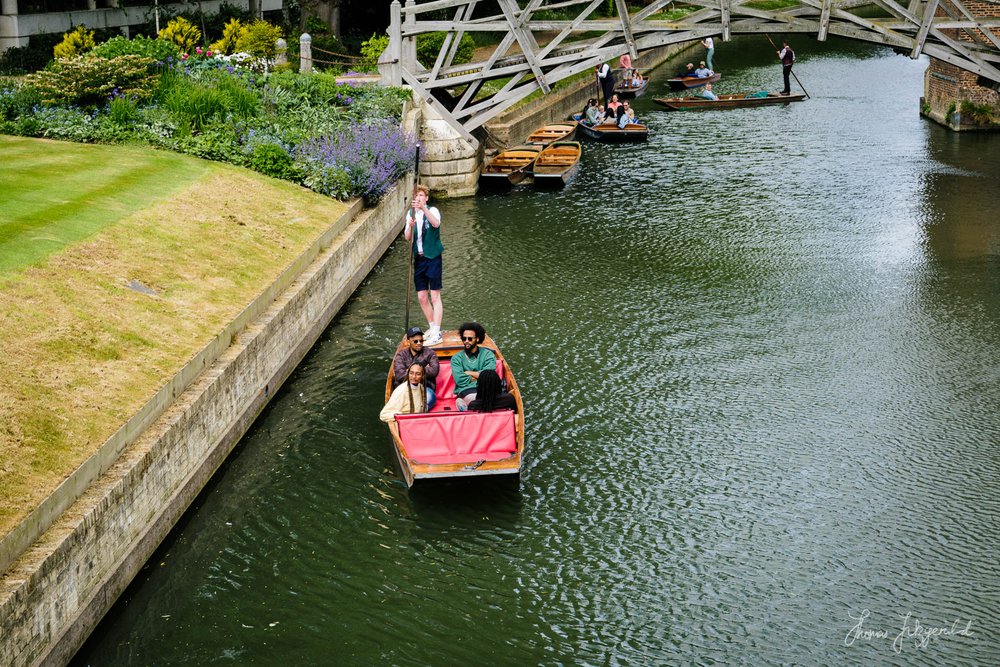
(231, 35)
(273, 160)
(371, 51)
(89, 82)
(123, 111)
(429, 45)
(260, 39)
(181, 32)
(981, 113)
(17, 99)
(157, 49)
(76, 42)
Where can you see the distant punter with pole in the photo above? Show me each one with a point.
(787, 60)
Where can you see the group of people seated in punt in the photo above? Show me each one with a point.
(478, 386)
(700, 72)
(618, 113)
(632, 79)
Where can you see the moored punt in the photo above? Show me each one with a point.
(544, 136)
(612, 134)
(557, 164)
(685, 82)
(448, 443)
(625, 90)
(509, 167)
(736, 101)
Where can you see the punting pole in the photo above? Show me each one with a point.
(413, 233)
(793, 71)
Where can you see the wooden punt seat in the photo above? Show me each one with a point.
(459, 438)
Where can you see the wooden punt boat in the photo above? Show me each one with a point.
(544, 136)
(685, 82)
(737, 101)
(509, 167)
(557, 164)
(447, 443)
(625, 90)
(610, 133)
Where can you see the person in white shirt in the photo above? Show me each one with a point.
(423, 228)
(709, 44)
(408, 398)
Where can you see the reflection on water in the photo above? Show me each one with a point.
(759, 357)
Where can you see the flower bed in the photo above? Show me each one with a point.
(341, 138)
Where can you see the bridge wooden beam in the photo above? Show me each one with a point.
(412, 81)
(627, 28)
(524, 38)
(557, 40)
(918, 43)
(469, 9)
(824, 21)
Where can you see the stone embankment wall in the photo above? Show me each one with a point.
(946, 86)
(59, 588)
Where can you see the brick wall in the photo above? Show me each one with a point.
(946, 84)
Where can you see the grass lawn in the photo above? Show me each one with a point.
(82, 352)
(55, 193)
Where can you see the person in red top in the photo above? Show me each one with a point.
(787, 60)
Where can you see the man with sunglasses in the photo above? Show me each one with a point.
(468, 363)
(416, 353)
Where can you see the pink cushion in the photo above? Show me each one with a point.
(459, 437)
(444, 388)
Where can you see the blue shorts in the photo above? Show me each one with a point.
(427, 274)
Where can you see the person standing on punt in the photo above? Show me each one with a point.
(468, 363)
(427, 249)
(709, 45)
(607, 80)
(787, 60)
(408, 398)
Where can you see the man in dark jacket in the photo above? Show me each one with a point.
(416, 353)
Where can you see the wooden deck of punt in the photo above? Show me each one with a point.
(684, 82)
(612, 134)
(544, 136)
(628, 92)
(509, 167)
(737, 101)
(414, 470)
(557, 164)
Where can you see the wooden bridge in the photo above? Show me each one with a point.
(945, 29)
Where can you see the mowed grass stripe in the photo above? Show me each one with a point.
(82, 351)
(56, 193)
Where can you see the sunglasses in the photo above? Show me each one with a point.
(468, 338)
(416, 340)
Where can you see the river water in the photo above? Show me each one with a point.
(760, 359)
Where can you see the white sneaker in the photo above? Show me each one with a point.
(432, 336)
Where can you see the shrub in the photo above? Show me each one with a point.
(157, 49)
(196, 104)
(17, 99)
(231, 35)
(429, 45)
(373, 155)
(88, 82)
(31, 58)
(181, 32)
(123, 111)
(371, 51)
(273, 160)
(259, 39)
(75, 43)
(69, 123)
(981, 113)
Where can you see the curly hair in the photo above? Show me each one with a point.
(476, 328)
